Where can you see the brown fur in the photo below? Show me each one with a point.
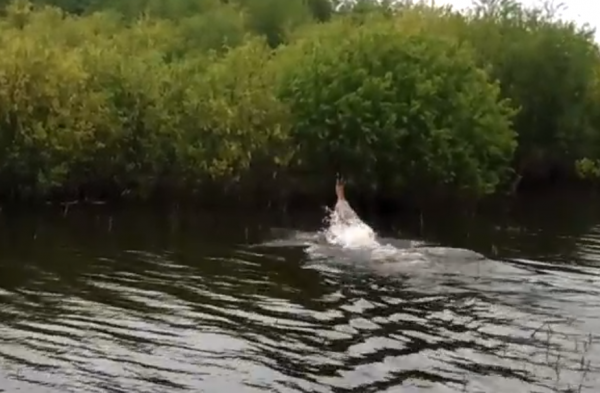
(339, 190)
(342, 207)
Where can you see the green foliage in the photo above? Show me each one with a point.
(588, 169)
(410, 108)
(274, 19)
(242, 118)
(89, 102)
(547, 68)
(104, 96)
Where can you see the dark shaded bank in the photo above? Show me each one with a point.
(534, 221)
(456, 221)
(414, 207)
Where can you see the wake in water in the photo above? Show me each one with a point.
(347, 238)
(346, 230)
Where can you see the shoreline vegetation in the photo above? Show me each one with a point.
(265, 100)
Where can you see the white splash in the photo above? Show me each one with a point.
(352, 233)
(353, 240)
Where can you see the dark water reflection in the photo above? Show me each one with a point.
(144, 301)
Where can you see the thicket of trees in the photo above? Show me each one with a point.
(99, 97)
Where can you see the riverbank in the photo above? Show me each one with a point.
(493, 221)
(418, 219)
(228, 102)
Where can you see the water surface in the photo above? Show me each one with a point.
(144, 300)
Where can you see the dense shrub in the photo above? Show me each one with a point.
(105, 96)
(397, 107)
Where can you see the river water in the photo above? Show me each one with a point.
(99, 299)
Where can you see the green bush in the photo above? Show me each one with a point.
(102, 97)
(548, 69)
(391, 105)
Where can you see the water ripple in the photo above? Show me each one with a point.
(193, 319)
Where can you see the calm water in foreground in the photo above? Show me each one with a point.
(141, 300)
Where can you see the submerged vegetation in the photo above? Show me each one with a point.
(271, 97)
